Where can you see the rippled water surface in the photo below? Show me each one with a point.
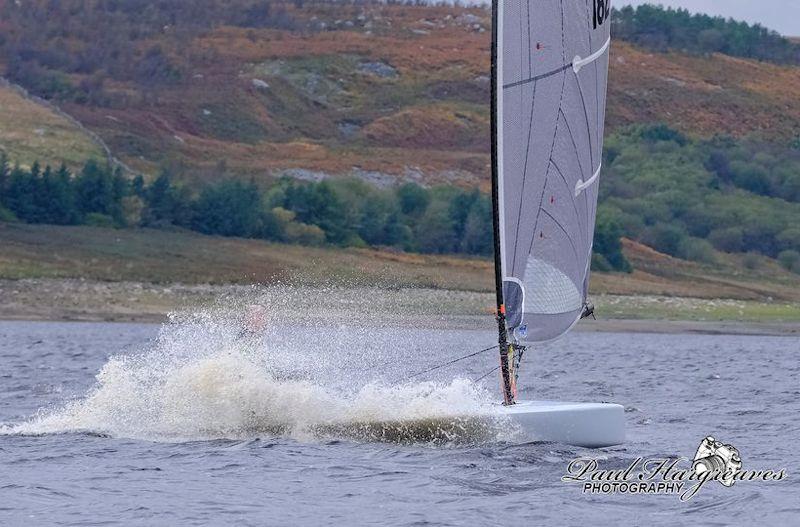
(193, 424)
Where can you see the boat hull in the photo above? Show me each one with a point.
(591, 425)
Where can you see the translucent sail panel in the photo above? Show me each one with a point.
(552, 75)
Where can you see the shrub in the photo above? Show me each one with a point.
(752, 260)
(280, 225)
(696, 250)
(661, 132)
(229, 208)
(6, 215)
(96, 219)
(664, 237)
(790, 260)
(435, 231)
(414, 199)
(607, 244)
(599, 263)
(304, 234)
(790, 238)
(730, 239)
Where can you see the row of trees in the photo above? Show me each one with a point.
(683, 196)
(342, 212)
(55, 196)
(661, 29)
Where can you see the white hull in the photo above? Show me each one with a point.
(590, 425)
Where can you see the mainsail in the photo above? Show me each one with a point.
(550, 70)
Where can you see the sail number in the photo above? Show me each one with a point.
(602, 8)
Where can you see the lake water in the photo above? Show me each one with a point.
(195, 424)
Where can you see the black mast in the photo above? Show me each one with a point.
(502, 334)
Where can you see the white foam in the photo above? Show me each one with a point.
(201, 379)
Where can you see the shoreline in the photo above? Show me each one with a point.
(70, 300)
(633, 326)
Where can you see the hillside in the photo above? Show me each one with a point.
(231, 90)
(31, 131)
(382, 91)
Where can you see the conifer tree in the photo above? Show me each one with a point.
(20, 194)
(4, 173)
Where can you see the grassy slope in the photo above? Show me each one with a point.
(667, 288)
(35, 251)
(30, 131)
(32, 251)
(94, 269)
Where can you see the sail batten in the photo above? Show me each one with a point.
(582, 185)
(579, 63)
(548, 118)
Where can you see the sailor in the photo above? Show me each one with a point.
(254, 321)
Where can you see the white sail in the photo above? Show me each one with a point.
(550, 93)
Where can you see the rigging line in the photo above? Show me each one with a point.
(482, 377)
(445, 364)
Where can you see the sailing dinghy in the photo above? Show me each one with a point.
(549, 76)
